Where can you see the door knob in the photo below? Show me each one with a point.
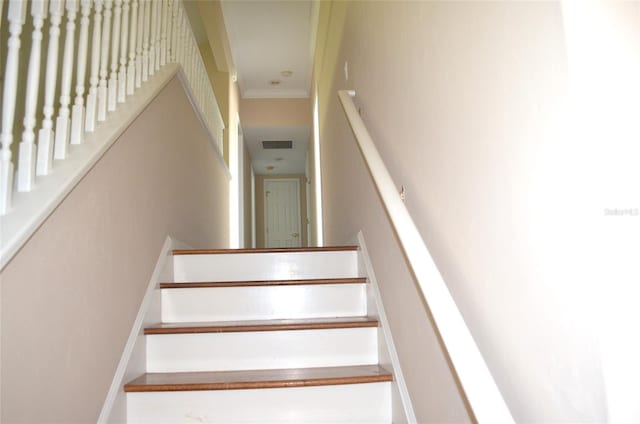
(294, 235)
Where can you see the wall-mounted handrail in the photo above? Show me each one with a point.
(122, 44)
(481, 391)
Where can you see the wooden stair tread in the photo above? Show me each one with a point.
(264, 250)
(258, 379)
(312, 281)
(261, 325)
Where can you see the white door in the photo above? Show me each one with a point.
(282, 213)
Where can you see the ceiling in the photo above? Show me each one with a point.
(283, 161)
(268, 38)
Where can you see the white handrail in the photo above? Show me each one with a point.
(132, 41)
(483, 394)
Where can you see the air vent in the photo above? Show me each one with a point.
(277, 144)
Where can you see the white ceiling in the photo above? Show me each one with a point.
(292, 161)
(268, 37)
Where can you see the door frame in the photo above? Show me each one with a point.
(266, 216)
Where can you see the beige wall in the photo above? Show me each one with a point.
(467, 103)
(275, 112)
(70, 296)
(351, 204)
(260, 239)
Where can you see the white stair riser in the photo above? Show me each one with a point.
(261, 350)
(265, 266)
(354, 403)
(264, 302)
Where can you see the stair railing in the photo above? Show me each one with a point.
(481, 391)
(123, 43)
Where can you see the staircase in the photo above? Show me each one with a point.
(262, 335)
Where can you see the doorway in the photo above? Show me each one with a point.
(282, 213)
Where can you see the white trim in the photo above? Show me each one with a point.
(483, 394)
(307, 197)
(241, 205)
(317, 170)
(149, 312)
(234, 187)
(375, 308)
(253, 208)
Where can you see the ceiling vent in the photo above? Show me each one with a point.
(277, 144)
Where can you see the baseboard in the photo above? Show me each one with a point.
(133, 359)
(388, 357)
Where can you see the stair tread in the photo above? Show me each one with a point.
(258, 379)
(264, 250)
(261, 325)
(311, 281)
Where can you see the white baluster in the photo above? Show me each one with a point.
(193, 65)
(104, 61)
(146, 56)
(27, 154)
(16, 16)
(139, 43)
(187, 56)
(122, 75)
(92, 97)
(156, 62)
(131, 70)
(152, 37)
(62, 122)
(115, 45)
(185, 44)
(170, 9)
(45, 135)
(174, 32)
(189, 59)
(163, 34)
(179, 38)
(77, 113)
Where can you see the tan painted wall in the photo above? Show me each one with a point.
(70, 296)
(260, 239)
(275, 112)
(466, 101)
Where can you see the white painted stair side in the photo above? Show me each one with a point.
(351, 403)
(263, 302)
(265, 266)
(262, 350)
